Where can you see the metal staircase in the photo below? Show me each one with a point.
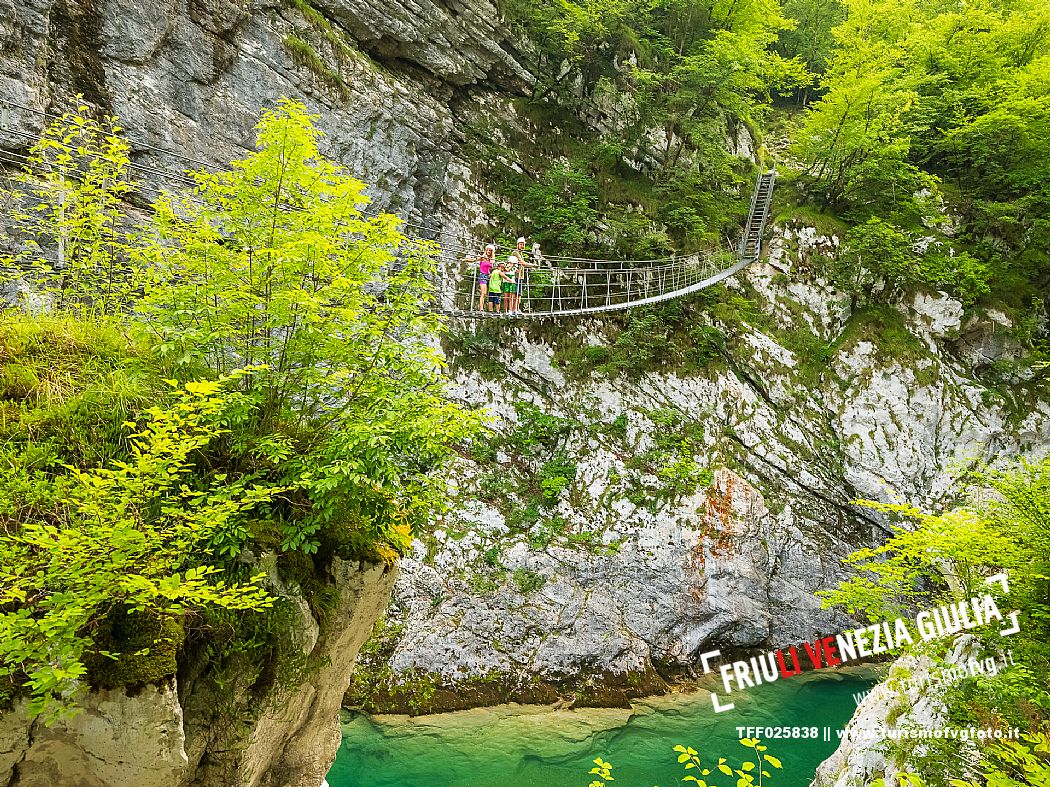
(751, 242)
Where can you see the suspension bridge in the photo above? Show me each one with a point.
(549, 286)
(566, 287)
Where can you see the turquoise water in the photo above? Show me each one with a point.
(529, 746)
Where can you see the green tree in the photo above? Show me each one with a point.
(570, 36)
(1024, 763)
(945, 557)
(810, 39)
(877, 252)
(273, 265)
(709, 62)
(305, 413)
(68, 219)
(681, 77)
(857, 124)
(922, 94)
(563, 208)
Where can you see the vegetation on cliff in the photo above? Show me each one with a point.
(927, 103)
(670, 81)
(637, 141)
(920, 142)
(184, 394)
(944, 558)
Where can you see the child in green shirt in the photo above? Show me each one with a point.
(510, 284)
(496, 279)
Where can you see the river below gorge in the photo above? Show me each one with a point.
(536, 746)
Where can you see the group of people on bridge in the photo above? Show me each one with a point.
(500, 284)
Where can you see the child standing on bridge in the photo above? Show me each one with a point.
(510, 284)
(496, 279)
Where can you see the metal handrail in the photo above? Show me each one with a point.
(596, 288)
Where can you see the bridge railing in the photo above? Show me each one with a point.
(564, 285)
(550, 288)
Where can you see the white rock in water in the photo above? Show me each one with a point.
(911, 697)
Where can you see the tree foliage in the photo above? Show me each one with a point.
(947, 555)
(563, 208)
(752, 772)
(128, 536)
(925, 97)
(810, 38)
(70, 240)
(303, 412)
(273, 265)
(1023, 763)
(880, 253)
(945, 558)
(676, 79)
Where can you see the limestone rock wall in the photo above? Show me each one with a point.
(115, 739)
(191, 76)
(608, 585)
(910, 698)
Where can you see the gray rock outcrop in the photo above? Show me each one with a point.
(188, 79)
(909, 702)
(194, 732)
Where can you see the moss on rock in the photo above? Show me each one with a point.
(142, 649)
(418, 692)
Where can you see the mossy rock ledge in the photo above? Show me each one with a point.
(188, 714)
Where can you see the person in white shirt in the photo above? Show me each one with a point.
(522, 264)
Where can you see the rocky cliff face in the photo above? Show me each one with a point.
(204, 730)
(613, 527)
(706, 508)
(191, 76)
(910, 699)
(188, 79)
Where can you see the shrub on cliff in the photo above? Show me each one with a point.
(250, 371)
(675, 80)
(273, 264)
(945, 558)
(127, 535)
